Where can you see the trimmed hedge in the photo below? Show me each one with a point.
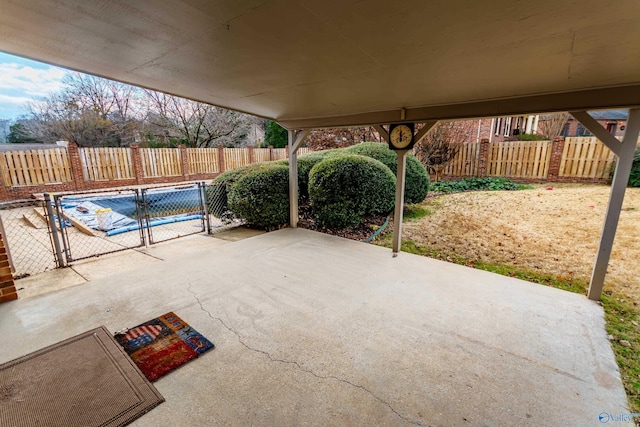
(634, 178)
(262, 197)
(305, 164)
(346, 188)
(417, 177)
(217, 195)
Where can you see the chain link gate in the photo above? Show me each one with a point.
(172, 214)
(90, 225)
(43, 235)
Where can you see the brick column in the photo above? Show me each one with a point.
(3, 192)
(483, 157)
(221, 164)
(556, 158)
(7, 287)
(252, 155)
(184, 160)
(137, 163)
(77, 173)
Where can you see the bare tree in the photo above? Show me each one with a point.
(4, 129)
(89, 111)
(552, 125)
(193, 123)
(323, 139)
(442, 143)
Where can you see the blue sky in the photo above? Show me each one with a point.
(22, 80)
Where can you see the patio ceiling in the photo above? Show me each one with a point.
(339, 62)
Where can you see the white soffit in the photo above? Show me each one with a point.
(336, 63)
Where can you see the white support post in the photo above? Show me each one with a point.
(397, 216)
(295, 140)
(618, 187)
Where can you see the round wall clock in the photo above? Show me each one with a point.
(401, 136)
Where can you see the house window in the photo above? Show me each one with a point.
(611, 127)
(507, 126)
(498, 124)
(583, 131)
(565, 131)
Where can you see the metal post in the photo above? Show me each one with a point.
(618, 187)
(54, 231)
(293, 181)
(205, 207)
(397, 216)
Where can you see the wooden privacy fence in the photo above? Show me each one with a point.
(35, 167)
(519, 159)
(58, 169)
(466, 161)
(203, 160)
(586, 158)
(575, 158)
(157, 162)
(108, 163)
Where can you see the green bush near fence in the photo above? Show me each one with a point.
(362, 185)
(305, 164)
(216, 195)
(417, 177)
(262, 197)
(476, 184)
(634, 178)
(344, 189)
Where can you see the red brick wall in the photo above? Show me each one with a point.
(7, 287)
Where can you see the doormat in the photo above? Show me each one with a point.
(161, 345)
(87, 380)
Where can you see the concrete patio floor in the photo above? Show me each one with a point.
(312, 329)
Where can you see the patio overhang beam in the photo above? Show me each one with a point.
(296, 138)
(625, 151)
(583, 100)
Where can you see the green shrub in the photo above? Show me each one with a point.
(216, 195)
(262, 197)
(634, 178)
(346, 188)
(417, 178)
(217, 200)
(231, 176)
(531, 137)
(475, 184)
(305, 163)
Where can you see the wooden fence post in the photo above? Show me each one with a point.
(137, 163)
(556, 158)
(184, 160)
(77, 173)
(252, 155)
(221, 158)
(483, 157)
(270, 152)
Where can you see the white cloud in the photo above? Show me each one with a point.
(30, 81)
(14, 100)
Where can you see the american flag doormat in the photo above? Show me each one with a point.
(161, 345)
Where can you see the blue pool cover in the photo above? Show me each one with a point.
(123, 215)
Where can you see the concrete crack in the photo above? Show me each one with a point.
(297, 365)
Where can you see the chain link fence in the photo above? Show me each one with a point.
(219, 216)
(173, 212)
(94, 223)
(24, 226)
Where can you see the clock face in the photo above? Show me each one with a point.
(401, 136)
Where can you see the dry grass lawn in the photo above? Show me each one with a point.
(551, 231)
